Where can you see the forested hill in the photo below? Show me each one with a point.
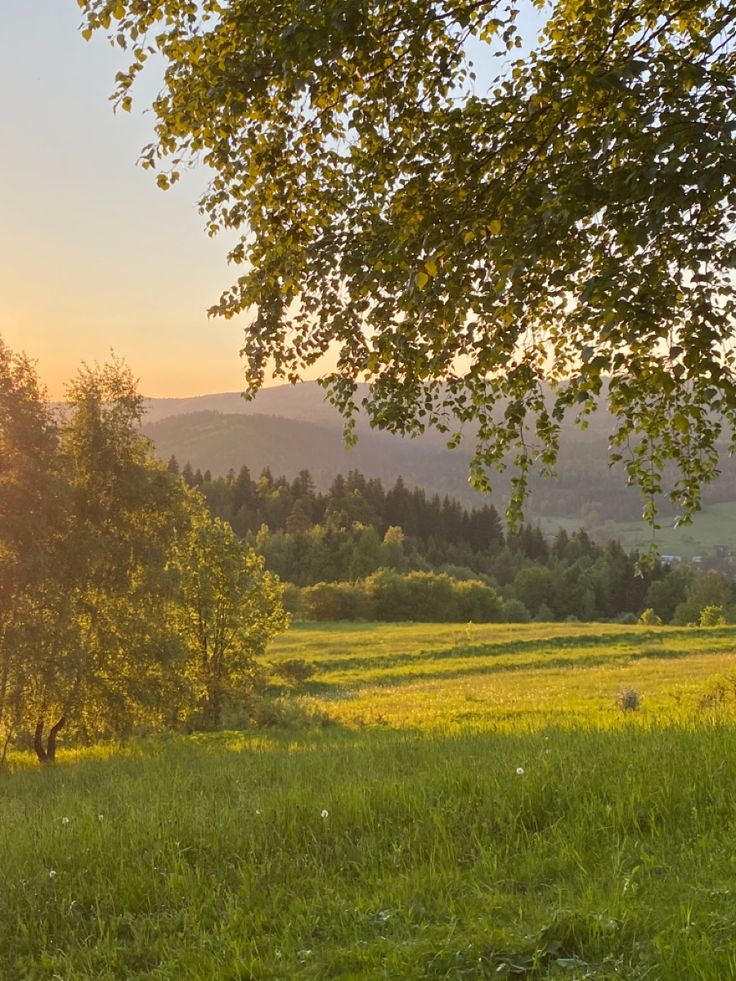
(361, 549)
(292, 428)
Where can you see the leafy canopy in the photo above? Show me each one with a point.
(106, 559)
(492, 255)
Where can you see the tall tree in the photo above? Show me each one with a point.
(94, 628)
(29, 514)
(461, 243)
(230, 609)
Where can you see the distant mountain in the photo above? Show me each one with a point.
(291, 428)
(218, 442)
(305, 402)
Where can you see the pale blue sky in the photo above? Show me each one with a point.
(92, 254)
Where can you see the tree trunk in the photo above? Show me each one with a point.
(38, 742)
(51, 743)
(5, 748)
(47, 753)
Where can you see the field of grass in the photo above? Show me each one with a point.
(477, 807)
(714, 525)
(507, 676)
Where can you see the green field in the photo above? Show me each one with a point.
(507, 676)
(714, 525)
(449, 801)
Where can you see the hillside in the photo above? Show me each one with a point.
(290, 428)
(213, 441)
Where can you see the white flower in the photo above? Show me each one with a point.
(100, 817)
(52, 873)
(258, 812)
(65, 820)
(325, 814)
(520, 771)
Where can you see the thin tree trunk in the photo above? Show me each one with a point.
(5, 747)
(5, 671)
(47, 753)
(38, 742)
(51, 742)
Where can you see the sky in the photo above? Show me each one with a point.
(93, 256)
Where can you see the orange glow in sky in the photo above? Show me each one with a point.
(92, 255)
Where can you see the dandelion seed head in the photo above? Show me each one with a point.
(325, 813)
(65, 820)
(52, 873)
(520, 771)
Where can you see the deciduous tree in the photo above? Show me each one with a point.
(230, 608)
(501, 250)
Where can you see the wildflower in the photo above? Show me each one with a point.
(100, 817)
(65, 820)
(52, 873)
(325, 814)
(520, 771)
(258, 812)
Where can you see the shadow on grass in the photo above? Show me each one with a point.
(336, 691)
(505, 648)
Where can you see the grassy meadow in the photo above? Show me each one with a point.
(441, 801)
(712, 526)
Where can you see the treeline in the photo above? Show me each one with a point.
(347, 534)
(123, 604)
(295, 507)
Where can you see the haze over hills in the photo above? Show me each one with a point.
(291, 428)
(219, 442)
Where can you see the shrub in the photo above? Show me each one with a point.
(478, 602)
(650, 618)
(628, 700)
(544, 614)
(334, 601)
(295, 670)
(712, 616)
(627, 618)
(292, 600)
(516, 612)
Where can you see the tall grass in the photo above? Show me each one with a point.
(586, 851)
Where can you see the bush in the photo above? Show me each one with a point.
(629, 700)
(334, 601)
(478, 602)
(391, 596)
(516, 612)
(388, 595)
(295, 670)
(292, 600)
(626, 618)
(544, 614)
(650, 619)
(712, 616)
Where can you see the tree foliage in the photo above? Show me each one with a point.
(500, 252)
(98, 547)
(230, 608)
